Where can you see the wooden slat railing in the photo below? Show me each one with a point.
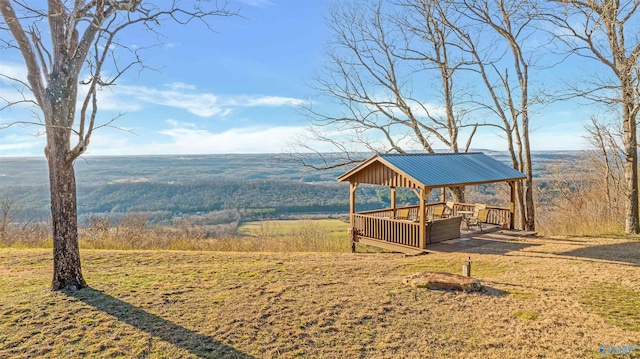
(387, 213)
(497, 215)
(387, 229)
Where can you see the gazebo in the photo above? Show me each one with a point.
(422, 173)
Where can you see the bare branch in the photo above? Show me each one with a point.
(33, 70)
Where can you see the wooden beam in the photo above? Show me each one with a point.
(352, 200)
(416, 191)
(422, 215)
(352, 210)
(393, 199)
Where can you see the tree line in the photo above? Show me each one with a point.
(272, 196)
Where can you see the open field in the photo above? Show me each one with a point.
(318, 235)
(544, 298)
(284, 227)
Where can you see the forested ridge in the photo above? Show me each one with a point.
(260, 185)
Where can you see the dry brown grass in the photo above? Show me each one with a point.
(541, 300)
(135, 233)
(578, 201)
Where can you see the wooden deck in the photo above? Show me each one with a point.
(379, 228)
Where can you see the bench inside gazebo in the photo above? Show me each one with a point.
(410, 229)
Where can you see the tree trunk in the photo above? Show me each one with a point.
(530, 223)
(458, 194)
(67, 273)
(520, 206)
(630, 165)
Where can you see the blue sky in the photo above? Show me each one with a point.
(235, 91)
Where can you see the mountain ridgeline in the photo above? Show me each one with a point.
(257, 185)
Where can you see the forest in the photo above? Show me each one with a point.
(256, 186)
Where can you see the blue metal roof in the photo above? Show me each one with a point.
(446, 169)
(438, 169)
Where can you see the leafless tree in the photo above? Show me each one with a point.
(495, 34)
(382, 61)
(605, 31)
(7, 215)
(79, 36)
(473, 51)
(606, 157)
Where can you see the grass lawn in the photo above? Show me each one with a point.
(543, 298)
(284, 227)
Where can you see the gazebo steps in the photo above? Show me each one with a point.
(400, 248)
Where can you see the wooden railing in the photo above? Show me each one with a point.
(386, 213)
(382, 225)
(387, 229)
(497, 215)
(389, 213)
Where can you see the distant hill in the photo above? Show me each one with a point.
(19, 171)
(271, 184)
(29, 171)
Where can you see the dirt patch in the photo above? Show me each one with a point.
(443, 281)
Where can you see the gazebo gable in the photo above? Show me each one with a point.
(377, 171)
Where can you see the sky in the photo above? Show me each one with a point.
(236, 90)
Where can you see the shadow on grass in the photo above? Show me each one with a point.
(492, 292)
(197, 344)
(480, 246)
(486, 291)
(619, 252)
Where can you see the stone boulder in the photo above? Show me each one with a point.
(446, 281)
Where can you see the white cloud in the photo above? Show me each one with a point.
(272, 101)
(11, 94)
(256, 3)
(432, 109)
(13, 70)
(123, 98)
(419, 109)
(180, 95)
(174, 123)
(203, 105)
(184, 138)
(21, 144)
(109, 100)
(180, 86)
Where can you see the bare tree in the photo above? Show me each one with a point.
(605, 31)
(7, 215)
(473, 51)
(381, 63)
(606, 158)
(495, 34)
(84, 35)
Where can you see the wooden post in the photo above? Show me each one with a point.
(512, 203)
(393, 199)
(466, 268)
(443, 194)
(423, 217)
(352, 210)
